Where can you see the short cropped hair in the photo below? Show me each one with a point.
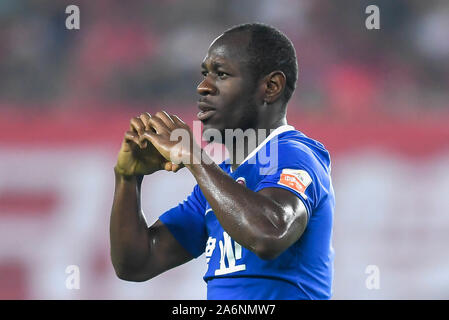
(270, 50)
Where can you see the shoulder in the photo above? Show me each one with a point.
(295, 162)
(294, 149)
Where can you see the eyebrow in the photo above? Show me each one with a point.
(214, 64)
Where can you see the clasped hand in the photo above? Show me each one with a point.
(158, 142)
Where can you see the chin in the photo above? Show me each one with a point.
(212, 133)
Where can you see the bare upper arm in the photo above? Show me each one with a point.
(294, 212)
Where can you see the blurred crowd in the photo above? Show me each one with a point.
(134, 53)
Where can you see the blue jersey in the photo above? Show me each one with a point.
(285, 159)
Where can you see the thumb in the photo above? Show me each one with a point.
(176, 167)
(168, 166)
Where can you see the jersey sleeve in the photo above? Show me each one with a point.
(187, 222)
(295, 172)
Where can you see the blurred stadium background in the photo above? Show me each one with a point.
(378, 99)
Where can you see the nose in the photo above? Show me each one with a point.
(206, 87)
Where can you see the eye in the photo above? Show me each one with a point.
(204, 73)
(222, 74)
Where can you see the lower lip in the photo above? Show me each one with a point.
(205, 115)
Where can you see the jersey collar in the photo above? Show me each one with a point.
(274, 133)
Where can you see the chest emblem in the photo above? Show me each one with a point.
(241, 181)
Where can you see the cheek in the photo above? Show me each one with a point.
(236, 104)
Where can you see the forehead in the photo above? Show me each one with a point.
(228, 50)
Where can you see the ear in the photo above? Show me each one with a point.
(274, 86)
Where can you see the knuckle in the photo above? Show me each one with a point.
(135, 123)
(158, 121)
(166, 113)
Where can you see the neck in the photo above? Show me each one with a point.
(243, 143)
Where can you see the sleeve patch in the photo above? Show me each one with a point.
(297, 180)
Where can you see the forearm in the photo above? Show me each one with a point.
(128, 227)
(251, 219)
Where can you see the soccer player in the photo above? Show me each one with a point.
(264, 220)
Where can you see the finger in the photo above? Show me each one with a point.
(150, 136)
(164, 116)
(177, 120)
(145, 117)
(170, 166)
(137, 125)
(158, 142)
(158, 125)
(131, 136)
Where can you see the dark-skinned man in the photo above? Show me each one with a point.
(264, 216)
